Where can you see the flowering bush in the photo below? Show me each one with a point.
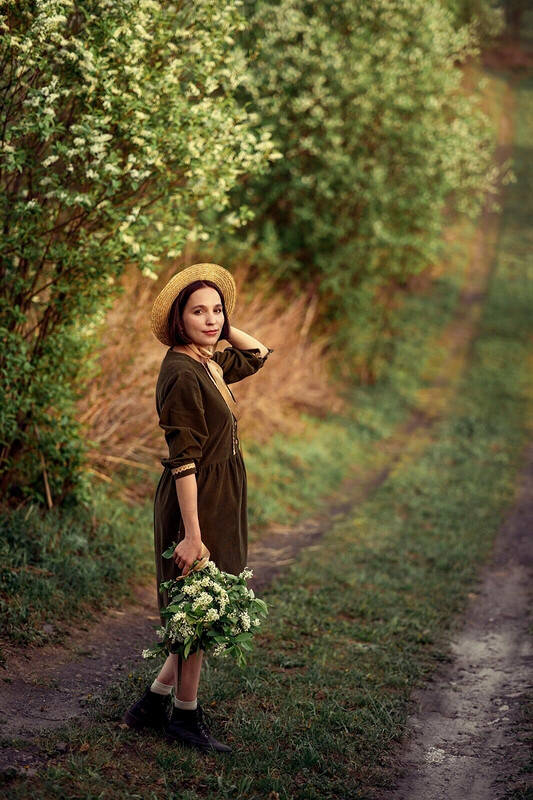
(209, 610)
(119, 127)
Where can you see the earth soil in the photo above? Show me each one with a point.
(465, 739)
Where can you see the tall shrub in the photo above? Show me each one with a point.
(118, 122)
(485, 16)
(364, 101)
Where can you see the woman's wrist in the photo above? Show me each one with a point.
(243, 341)
(193, 535)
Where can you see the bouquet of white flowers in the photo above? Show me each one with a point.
(209, 610)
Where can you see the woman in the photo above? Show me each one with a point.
(201, 497)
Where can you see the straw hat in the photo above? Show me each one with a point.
(197, 272)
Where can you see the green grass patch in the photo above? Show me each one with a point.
(62, 565)
(289, 476)
(362, 617)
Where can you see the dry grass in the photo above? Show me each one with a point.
(118, 407)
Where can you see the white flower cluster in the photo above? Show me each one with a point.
(246, 574)
(192, 590)
(212, 615)
(179, 627)
(202, 602)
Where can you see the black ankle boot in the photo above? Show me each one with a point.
(150, 711)
(189, 728)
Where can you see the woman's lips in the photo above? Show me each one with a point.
(210, 333)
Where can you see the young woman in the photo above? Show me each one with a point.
(201, 497)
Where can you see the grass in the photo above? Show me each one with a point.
(301, 470)
(363, 616)
(61, 566)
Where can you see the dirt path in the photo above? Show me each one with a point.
(464, 735)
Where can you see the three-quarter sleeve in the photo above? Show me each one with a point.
(183, 420)
(238, 364)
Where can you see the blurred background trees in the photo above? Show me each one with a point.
(364, 101)
(331, 137)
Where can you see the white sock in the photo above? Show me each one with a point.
(185, 705)
(160, 688)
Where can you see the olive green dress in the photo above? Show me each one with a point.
(201, 433)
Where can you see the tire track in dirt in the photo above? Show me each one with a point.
(464, 733)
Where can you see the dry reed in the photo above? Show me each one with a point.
(118, 407)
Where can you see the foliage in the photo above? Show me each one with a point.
(118, 123)
(364, 101)
(485, 16)
(208, 610)
(514, 13)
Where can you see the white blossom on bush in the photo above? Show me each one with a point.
(119, 125)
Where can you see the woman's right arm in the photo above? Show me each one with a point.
(190, 547)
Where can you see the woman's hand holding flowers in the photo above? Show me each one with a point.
(187, 552)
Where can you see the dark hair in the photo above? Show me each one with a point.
(176, 331)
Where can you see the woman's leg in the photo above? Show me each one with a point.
(151, 710)
(167, 674)
(187, 691)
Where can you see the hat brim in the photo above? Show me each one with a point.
(197, 272)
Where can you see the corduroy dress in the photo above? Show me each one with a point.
(201, 434)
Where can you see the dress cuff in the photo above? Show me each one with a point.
(183, 469)
(179, 466)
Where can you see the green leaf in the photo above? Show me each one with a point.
(173, 608)
(243, 637)
(260, 605)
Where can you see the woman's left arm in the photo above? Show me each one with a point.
(243, 341)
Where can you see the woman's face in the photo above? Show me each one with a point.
(203, 316)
